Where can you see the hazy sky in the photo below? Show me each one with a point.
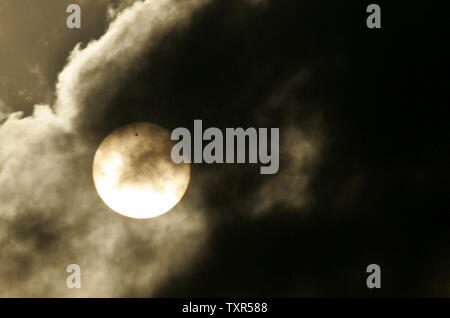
(360, 157)
(35, 44)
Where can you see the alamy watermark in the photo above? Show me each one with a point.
(374, 279)
(373, 21)
(232, 150)
(74, 279)
(74, 19)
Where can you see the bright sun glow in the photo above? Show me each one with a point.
(133, 172)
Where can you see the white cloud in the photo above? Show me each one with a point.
(50, 213)
(104, 62)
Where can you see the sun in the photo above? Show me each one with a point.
(134, 174)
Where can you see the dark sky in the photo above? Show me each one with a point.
(379, 178)
(365, 108)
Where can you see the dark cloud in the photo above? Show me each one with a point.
(369, 190)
